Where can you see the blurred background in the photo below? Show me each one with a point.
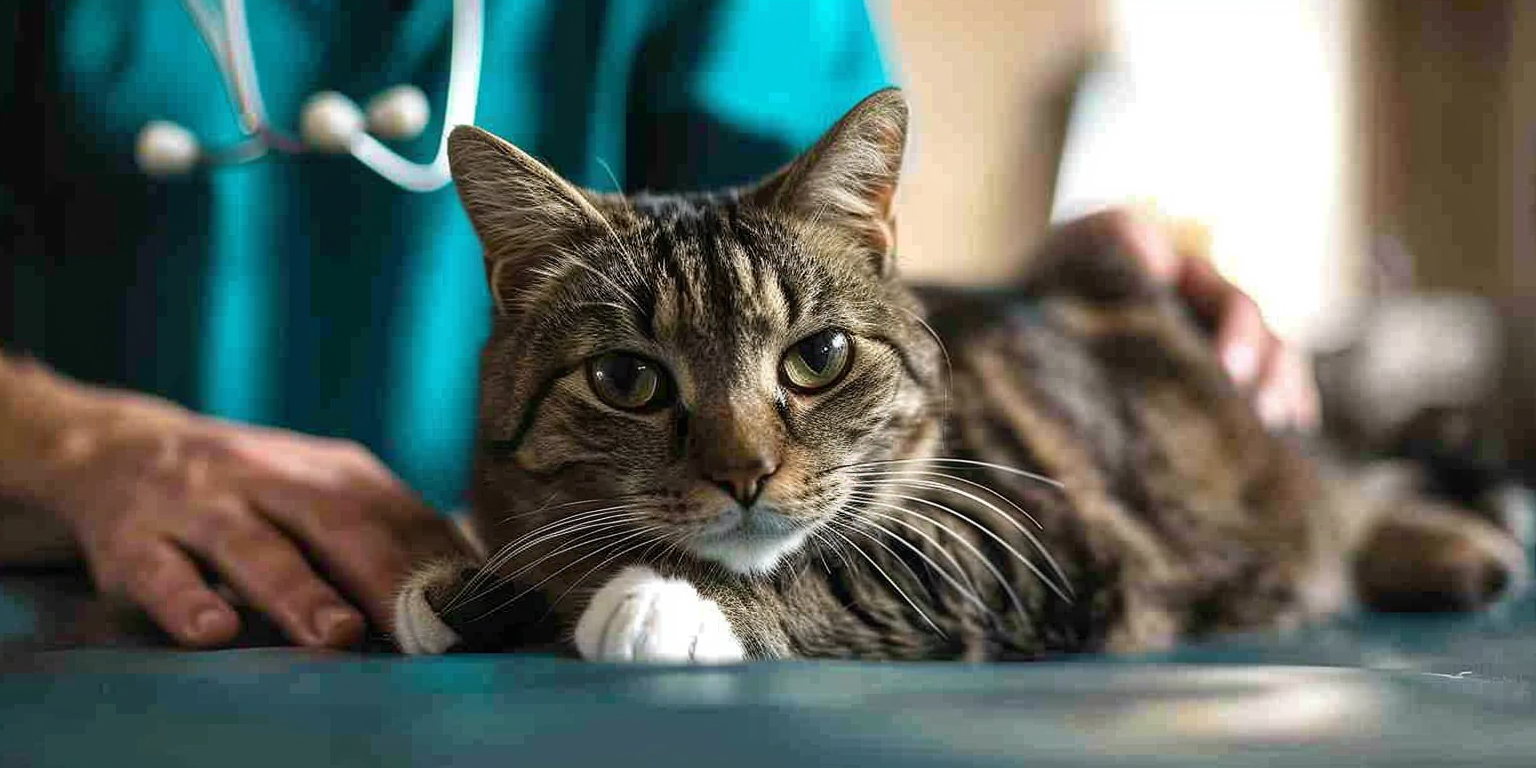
(1307, 136)
(1363, 168)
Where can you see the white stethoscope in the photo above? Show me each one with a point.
(329, 121)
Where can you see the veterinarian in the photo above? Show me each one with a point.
(242, 311)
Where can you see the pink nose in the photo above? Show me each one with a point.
(744, 482)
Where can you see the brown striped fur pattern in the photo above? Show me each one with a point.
(1056, 467)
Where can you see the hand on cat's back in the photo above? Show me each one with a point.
(1276, 375)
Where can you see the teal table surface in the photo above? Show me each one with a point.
(80, 688)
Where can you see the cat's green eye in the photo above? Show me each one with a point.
(628, 382)
(817, 361)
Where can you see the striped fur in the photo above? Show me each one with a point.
(905, 515)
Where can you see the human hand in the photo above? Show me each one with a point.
(1276, 375)
(149, 488)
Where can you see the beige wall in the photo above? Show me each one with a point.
(1445, 128)
(1271, 84)
(987, 81)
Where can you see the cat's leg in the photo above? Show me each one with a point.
(418, 624)
(1425, 557)
(642, 616)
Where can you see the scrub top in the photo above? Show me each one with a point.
(307, 292)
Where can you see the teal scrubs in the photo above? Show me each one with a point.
(307, 292)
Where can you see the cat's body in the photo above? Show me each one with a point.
(718, 427)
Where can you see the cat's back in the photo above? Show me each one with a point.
(1178, 511)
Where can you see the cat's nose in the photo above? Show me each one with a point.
(744, 481)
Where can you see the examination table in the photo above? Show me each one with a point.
(81, 685)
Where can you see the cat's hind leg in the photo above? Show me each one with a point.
(1426, 557)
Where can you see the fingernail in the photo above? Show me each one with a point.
(206, 621)
(1272, 410)
(1241, 362)
(334, 622)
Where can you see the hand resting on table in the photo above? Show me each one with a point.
(314, 533)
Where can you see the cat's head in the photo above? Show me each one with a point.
(704, 370)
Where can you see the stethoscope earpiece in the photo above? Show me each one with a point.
(400, 113)
(165, 148)
(328, 121)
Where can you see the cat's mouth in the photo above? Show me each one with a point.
(756, 521)
(749, 541)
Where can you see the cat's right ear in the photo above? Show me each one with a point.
(522, 211)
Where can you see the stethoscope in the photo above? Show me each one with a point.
(329, 121)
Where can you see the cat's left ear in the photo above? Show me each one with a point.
(848, 178)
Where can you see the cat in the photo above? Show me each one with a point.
(717, 426)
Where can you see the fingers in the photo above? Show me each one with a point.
(319, 463)
(1287, 397)
(1277, 376)
(269, 571)
(366, 558)
(1243, 341)
(372, 562)
(360, 522)
(161, 579)
(348, 509)
(367, 538)
(378, 558)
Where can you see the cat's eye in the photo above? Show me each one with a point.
(628, 382)
(817, 361)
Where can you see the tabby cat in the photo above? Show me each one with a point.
(716, 427)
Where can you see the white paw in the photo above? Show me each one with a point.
(640, 616)
(418, 630)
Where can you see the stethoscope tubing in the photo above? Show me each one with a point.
(229, 43)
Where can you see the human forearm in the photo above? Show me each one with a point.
(42, 415)
(34, 406)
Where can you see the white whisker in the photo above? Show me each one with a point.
(1002, 580)
(653, 541)
(588, 539)
(568, 566)
(966, 591)
(623, 310)
(887, 578)
(1033, 539)
(957, 478)
(553, 530)
(861, 511)
(552, 507)
(1062, 591)
(820, 543)
(512, 548)
(618, 189)
(838, 551)
(947, 460)
(949, 368)
(490, 569)
(573, 260)
(916, 579)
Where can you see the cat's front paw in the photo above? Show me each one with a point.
(418, 628)
(640, 616)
